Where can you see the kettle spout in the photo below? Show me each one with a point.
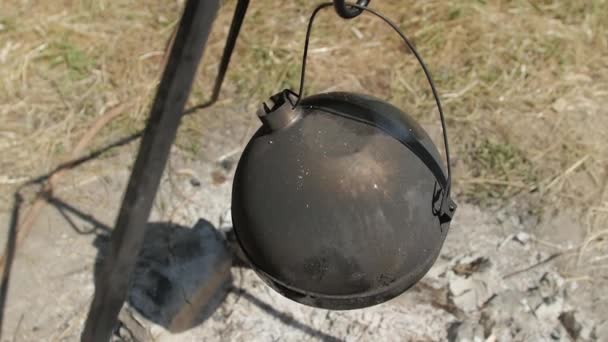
(280, 110)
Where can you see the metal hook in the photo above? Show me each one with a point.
(349, 12)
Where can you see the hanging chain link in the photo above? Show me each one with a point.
(347, 11)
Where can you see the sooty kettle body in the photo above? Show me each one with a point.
(339, 201)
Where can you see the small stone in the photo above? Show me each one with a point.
(472, 280)
(162, 19)
(227, 164)
(467, 266)
(550, 284)
(556, 334)
(195, 182)
(226, 220)
(560, 105)
(469, 294)
(218, 177)
(522, 237)
(466, 331)
(460, 285)
(550, 309)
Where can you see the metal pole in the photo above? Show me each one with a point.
(237, 20)
(112, 282)
(239, 14)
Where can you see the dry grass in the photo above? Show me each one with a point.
(524, 82)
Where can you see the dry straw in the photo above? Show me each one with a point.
(524, 83)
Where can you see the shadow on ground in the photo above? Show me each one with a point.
(183, 274)
(42, 180)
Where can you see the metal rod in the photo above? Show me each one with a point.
(112, 282)
(235, 28)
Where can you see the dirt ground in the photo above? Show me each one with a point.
(524, 85)
(498, 277)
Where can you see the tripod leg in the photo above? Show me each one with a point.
(235, 28)
(112, 282)
(233, 34)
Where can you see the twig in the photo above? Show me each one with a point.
(578, 278)
(588, 241)
(540, 263)
(494, 182)
(567, 172)
(18, 328)
(7, 180)
(547, 243)
(461, 92)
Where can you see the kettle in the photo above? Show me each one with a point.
(341, 200)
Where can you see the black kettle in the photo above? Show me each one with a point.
(341, 200)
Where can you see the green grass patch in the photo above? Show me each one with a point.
(78, 62)
(499, 169)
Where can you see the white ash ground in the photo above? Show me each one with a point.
(479, 290)
(475, 292)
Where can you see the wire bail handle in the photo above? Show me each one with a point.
(447, 207)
